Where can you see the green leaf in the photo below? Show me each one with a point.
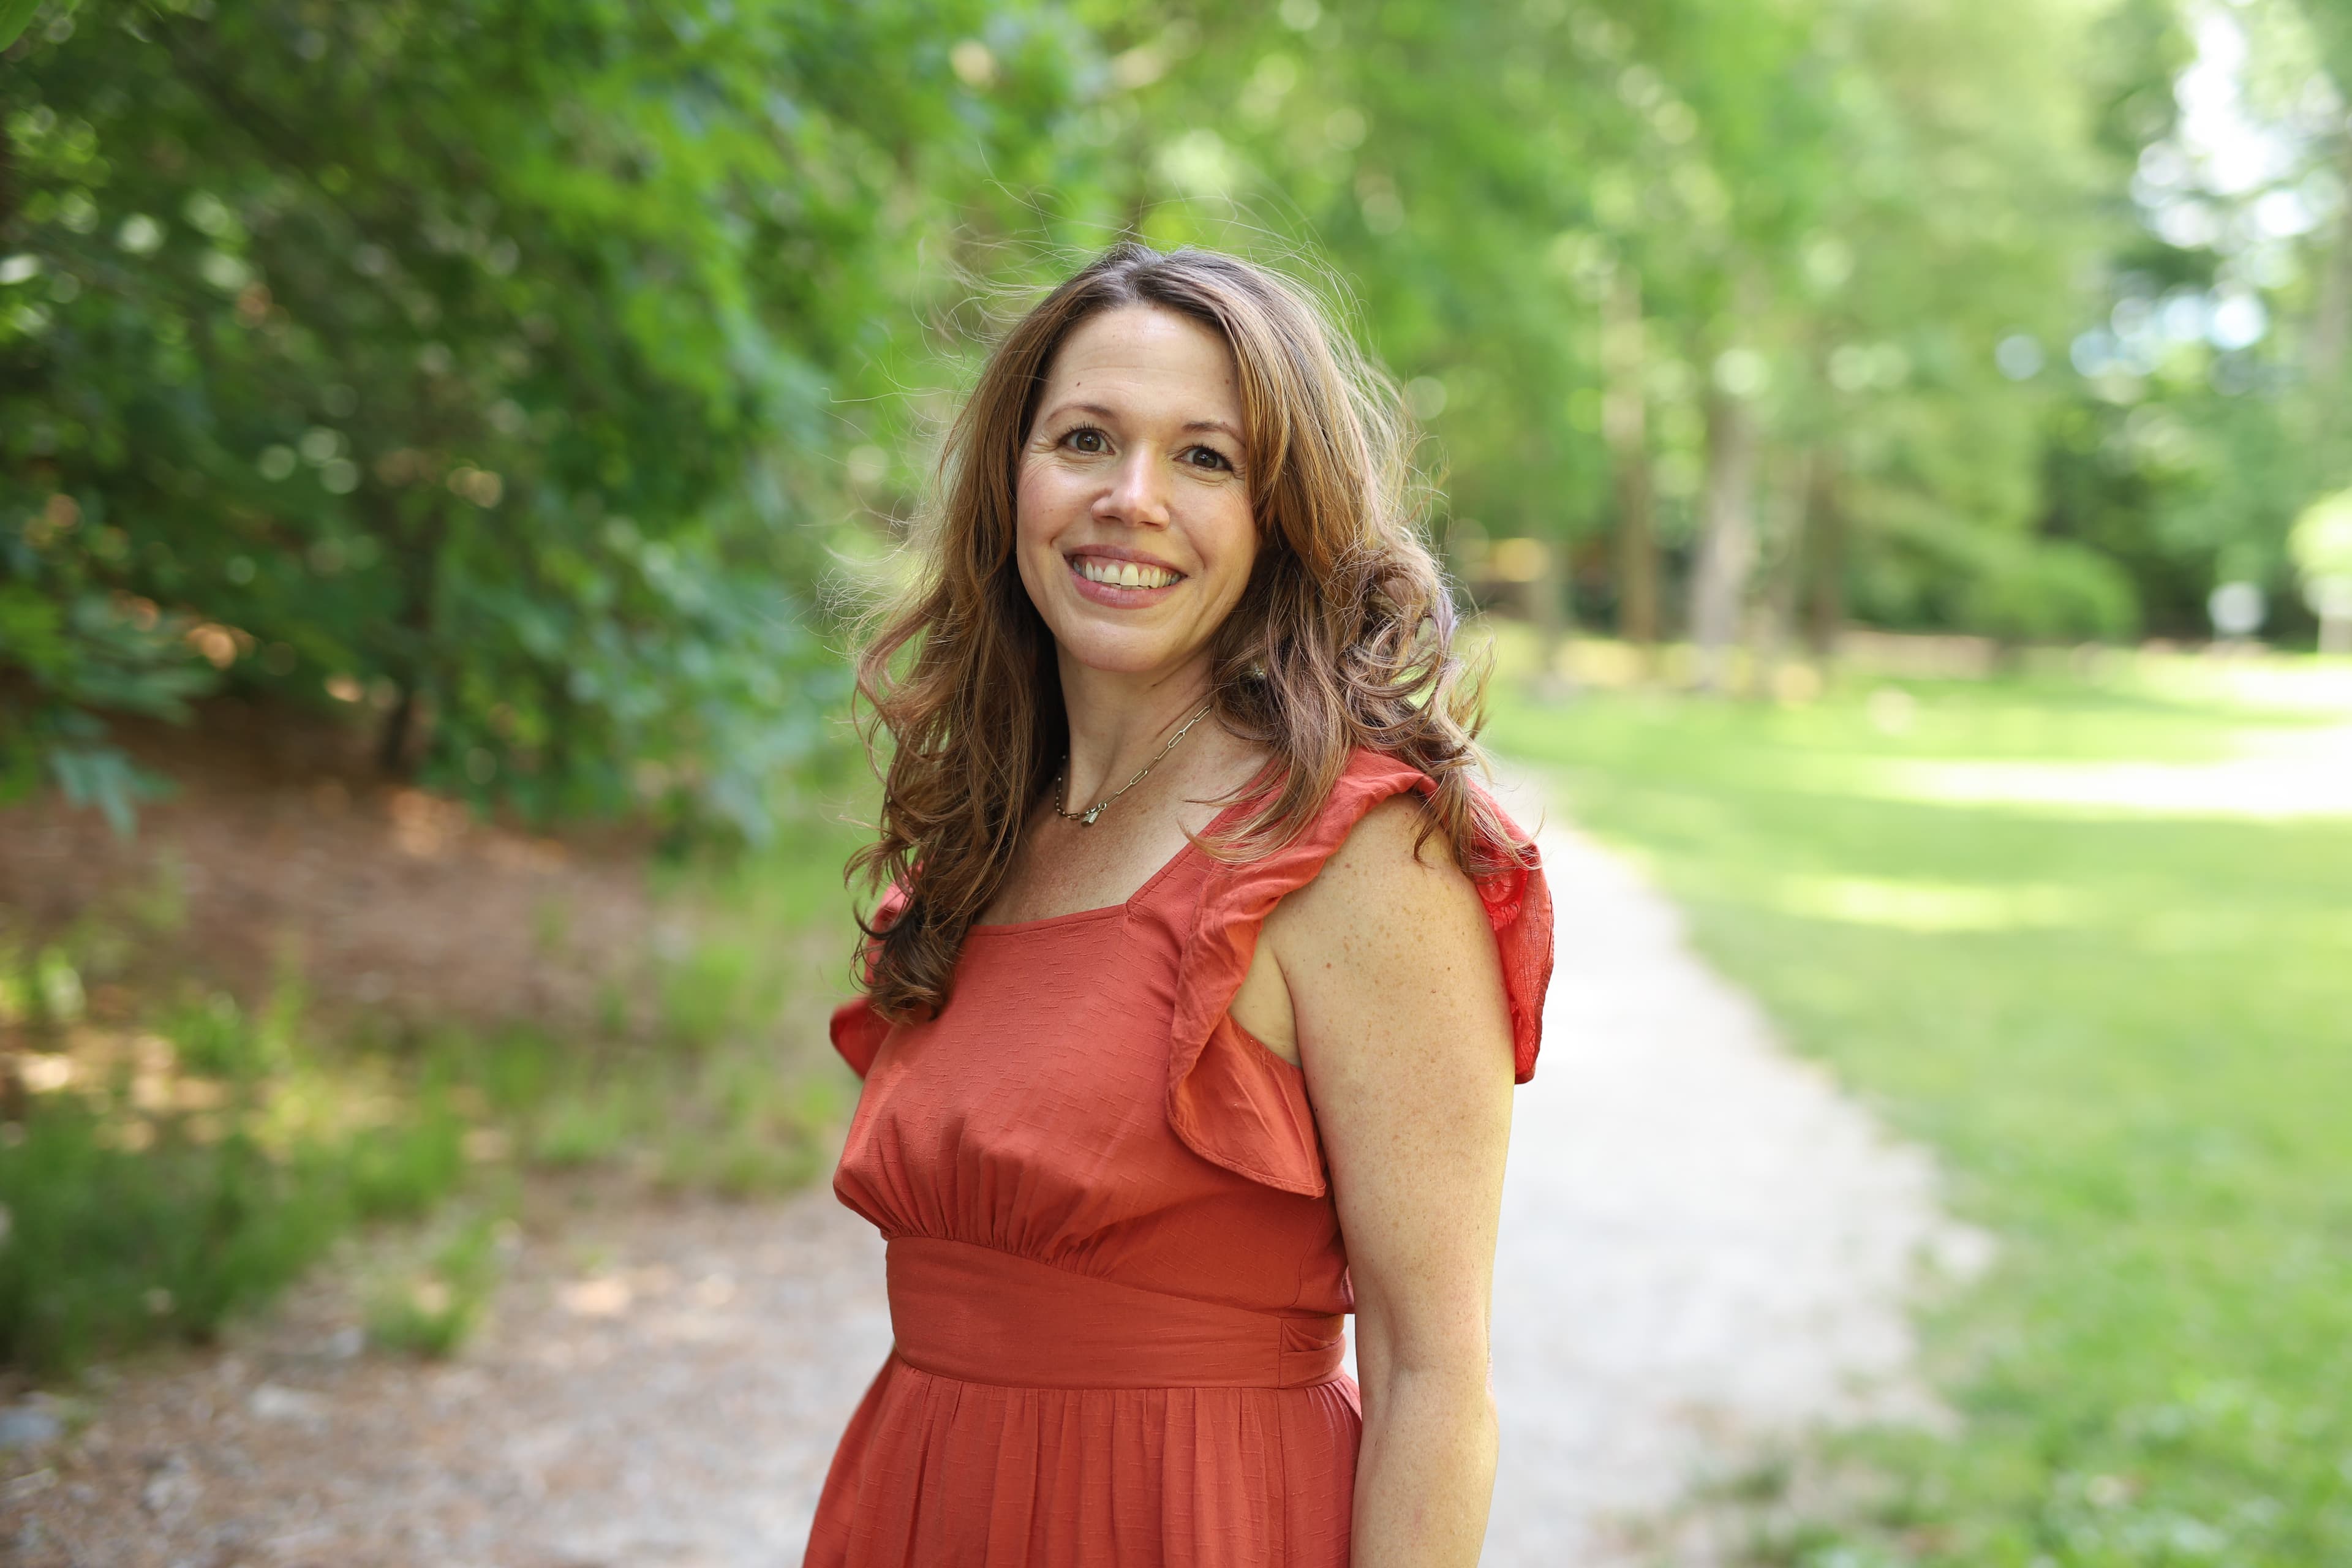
(14, 15)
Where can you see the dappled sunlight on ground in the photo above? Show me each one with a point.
(2280, 775)
(1930, 906)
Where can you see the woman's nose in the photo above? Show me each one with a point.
(1138, 495)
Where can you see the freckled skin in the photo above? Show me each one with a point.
(1396, 996)
(1380, 978)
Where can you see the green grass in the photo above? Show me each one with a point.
(169, 1161)
(2127, 1032)
(432, 1304)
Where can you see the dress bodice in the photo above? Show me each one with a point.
(1031, 1115)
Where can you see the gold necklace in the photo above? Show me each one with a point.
(1087, 818)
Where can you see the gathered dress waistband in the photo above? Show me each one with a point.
(981, 1315)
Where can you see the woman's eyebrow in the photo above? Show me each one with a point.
(1096, 409)
(1217, 425)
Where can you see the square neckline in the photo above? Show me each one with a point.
(1104, 911)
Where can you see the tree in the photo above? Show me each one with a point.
(472, 362)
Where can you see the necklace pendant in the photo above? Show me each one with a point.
(1087, 817)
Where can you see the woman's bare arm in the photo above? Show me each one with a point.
(1397, 1004)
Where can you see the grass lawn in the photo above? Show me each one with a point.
(2041, 926)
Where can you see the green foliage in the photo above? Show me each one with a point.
(2210, 409)
(2053, 592)
(107, 1246)
(2321, 541)
(71, 649)
(14, 15)
(478, 361)
(401, 1172)
(517, 374)
(160, 1182)
(1840, 216)
(2120, 1028)
(215, 1040)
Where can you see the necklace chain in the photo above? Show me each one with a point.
(1087, 818)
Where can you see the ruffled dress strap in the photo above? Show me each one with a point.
(857, 1029)
(1232, 1101)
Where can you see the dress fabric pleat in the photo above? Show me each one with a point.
(1117, 1279)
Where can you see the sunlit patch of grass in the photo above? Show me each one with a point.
(109, 1244)
(430, 1302)
(2129, 1034)
(168, 1161)
(1930, 906)
(157, 1180)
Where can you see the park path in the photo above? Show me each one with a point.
(1705, 1250)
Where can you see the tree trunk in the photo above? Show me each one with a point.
(1547, 607)
(397, 742)
(2331, 327)
(1824, 560)
(1791, 490)
(419, 575)
(7, 178)
(1624, 423)
(1727, 545)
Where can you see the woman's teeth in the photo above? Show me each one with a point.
(1123, 573)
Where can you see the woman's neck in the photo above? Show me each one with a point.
(1119, 723)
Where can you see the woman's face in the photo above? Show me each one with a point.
(1135, 537)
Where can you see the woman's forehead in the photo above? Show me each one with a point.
(1145, 360)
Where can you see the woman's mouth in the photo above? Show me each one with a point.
(1121, 582)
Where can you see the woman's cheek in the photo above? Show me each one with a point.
(1236, 557)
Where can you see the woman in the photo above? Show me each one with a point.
(1194, 1009)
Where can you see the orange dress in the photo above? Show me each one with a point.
(1116, 1279)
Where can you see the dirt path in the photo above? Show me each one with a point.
(658, 1388)
(1705, 1249)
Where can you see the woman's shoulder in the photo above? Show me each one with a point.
(1392, 900)
(1374, 890)
(1381, 853)
(1386, 859)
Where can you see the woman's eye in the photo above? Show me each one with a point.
(1084, 441)
(1208, 458)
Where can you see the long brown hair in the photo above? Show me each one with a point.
(1343, 637)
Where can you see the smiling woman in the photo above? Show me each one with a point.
(1202, 974)
(1134, 535)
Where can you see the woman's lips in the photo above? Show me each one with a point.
(1114, 594)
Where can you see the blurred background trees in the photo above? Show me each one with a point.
(524, 375)
(473, 417)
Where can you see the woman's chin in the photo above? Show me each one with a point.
(1127, 655)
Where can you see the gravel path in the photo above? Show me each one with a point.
(1705, 1249)
(659, 1387)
